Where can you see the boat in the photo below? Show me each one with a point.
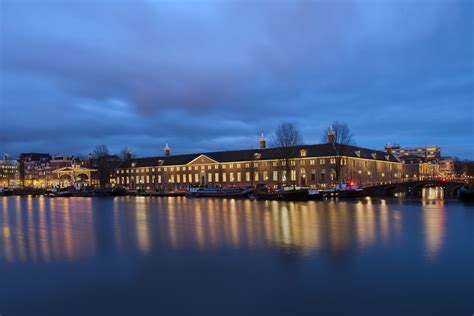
(6, 191)
(237, 192)
(314, 194)
(466, 194)
(284, 194)
(344, 190)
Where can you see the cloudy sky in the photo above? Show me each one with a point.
(212, 75)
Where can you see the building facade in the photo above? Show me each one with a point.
(312, 166)
(9, 175)
(425, 152)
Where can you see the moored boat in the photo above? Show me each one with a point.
(236, 192)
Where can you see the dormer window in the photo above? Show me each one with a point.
(374, 155)
(257, 156)
(303, 152)
(161, 162)
(357, 152)
(134, 164)
(387, 157)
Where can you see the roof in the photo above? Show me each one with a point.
(319, 150)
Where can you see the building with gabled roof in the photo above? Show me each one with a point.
(311, 166)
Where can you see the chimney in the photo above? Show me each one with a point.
(331, 135)
(262, 142)
(388, 149)
(167, 150)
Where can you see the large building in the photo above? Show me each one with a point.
(425, 152)
(315, 166)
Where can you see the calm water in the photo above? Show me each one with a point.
(178, 256)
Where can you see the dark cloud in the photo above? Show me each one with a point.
(214, 74)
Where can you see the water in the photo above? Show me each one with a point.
(178, 256)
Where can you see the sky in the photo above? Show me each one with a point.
(213, 75)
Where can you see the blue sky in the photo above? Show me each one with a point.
(212, 75)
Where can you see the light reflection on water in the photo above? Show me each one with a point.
(48, 230)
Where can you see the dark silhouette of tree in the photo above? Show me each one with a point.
(126, 153)
(342, 134)
(286, 140)
(340, 139)
(101, 158)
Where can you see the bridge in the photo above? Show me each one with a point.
(414, 187)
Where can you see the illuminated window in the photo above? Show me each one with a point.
(274, 164)
(275, 175)
(216, 177)
(238, 165)
(177, 168)
(231, 177)
(303, 152)
(265, 175)
(159, 179)
(190, 178)
(313, 175)
(247, 176)
(224, 177)
(209, 177)
(178, 178)
(293, 175)
(256, 176)
(322, 161)
(239, 176)
(333, 161)
(216, 167)
(172, 178)
(247, 165)
(196, 177)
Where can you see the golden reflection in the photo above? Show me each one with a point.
(434, 225)
(42, 230)
(141, 221)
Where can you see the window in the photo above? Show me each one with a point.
(209, 177)
(313, 175)
(224, 177)
(247, 176)
(333, 161)
(257, 156)
(322, 175)
(231, 177)
(159, 179)
(196, 168)
(247, 165)
(283, 176)
(147, 179)
(209, 167)
(255, 164)
(274, 164)
(190, 178)
(238, 165)
(172, 178)
(275, 175)
(224, 166)
(216, 167)
(196, 177)
(293, 175)
(322, 161)
(256, 176)
(216, 177)
(231, 166)
(265, 176)
(178, 178)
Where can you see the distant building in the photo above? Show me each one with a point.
(416, 168)
(425, 152)
(446, 167)
(9, 175)
(311, 166)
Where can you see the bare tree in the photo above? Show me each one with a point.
(126, 153)
(286, 139)
(342, 134)
(342, 137)
(101, 155)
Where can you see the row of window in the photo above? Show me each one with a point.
(228, 166)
